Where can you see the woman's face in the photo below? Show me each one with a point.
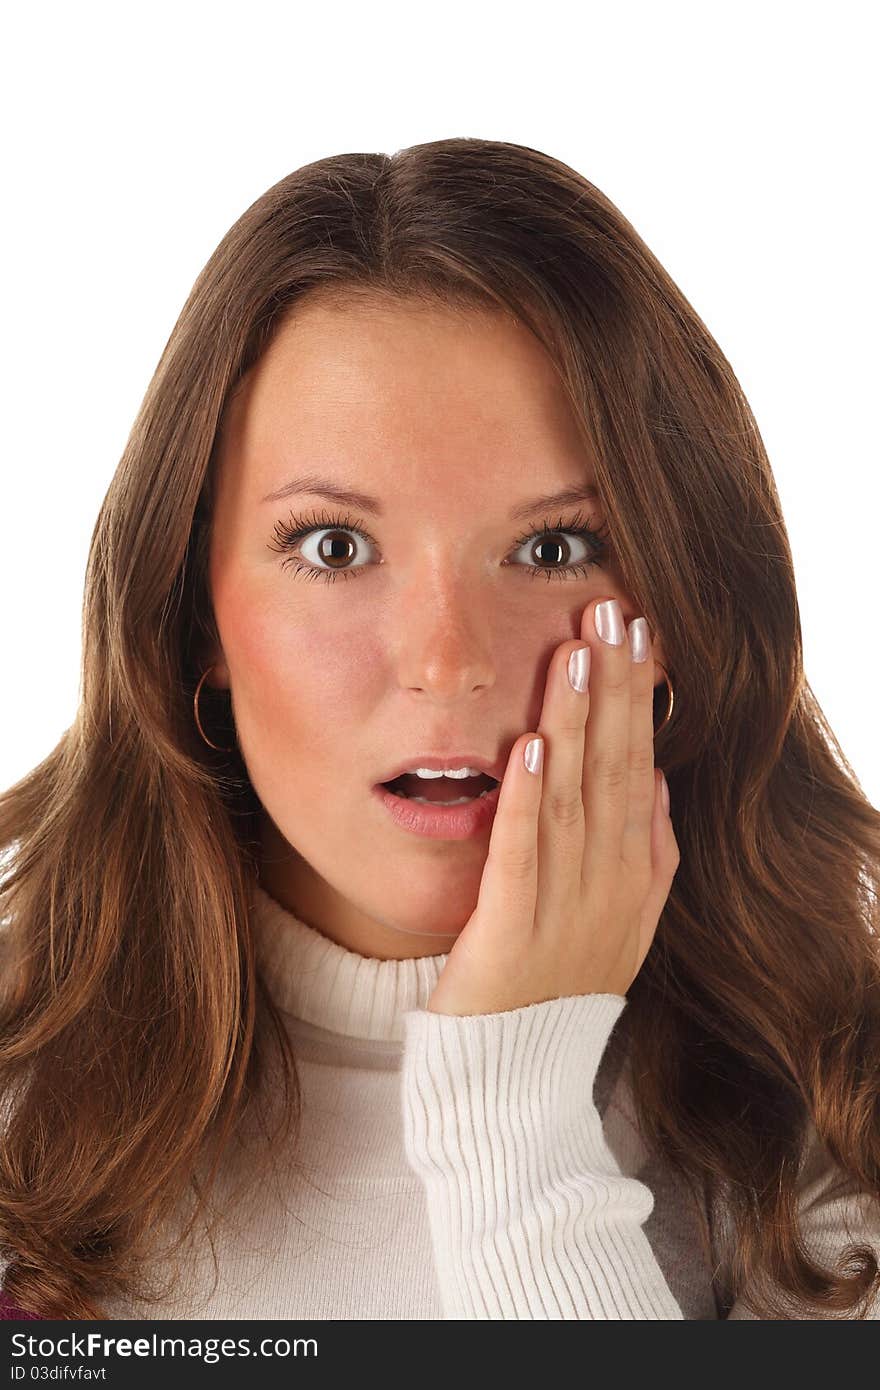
(454, 422)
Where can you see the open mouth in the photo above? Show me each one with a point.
(441, 791)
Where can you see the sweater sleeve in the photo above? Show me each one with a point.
(530, 1214)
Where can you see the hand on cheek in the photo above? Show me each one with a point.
(582, 853)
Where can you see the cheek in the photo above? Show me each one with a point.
(293, 681)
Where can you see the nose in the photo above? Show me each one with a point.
(445, 650)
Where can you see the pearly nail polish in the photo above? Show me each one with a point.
(609, 622)
(638, 639)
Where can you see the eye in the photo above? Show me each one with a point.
(327, 544)
(550, 539)
(335, 546)
(320, 540)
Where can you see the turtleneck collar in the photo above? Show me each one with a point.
(324, 984)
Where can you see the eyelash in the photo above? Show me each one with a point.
(297, 528)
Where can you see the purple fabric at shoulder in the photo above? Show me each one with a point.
(10, 1313)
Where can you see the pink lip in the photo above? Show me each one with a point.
(440, 822)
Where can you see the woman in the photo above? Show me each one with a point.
(282, 1037)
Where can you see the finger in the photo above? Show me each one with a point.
(561, 819)
(509, 885)
(635, 850)
(606, 746)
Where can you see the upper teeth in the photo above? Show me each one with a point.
(450, 772)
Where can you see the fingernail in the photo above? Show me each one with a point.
(664, 791)
(579, 669)
(637, 633)
(534, 753)
(609, 622)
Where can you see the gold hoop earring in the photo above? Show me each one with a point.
(198, 720)
(668, 715)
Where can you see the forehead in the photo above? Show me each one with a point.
(416, 390)
(372, 353)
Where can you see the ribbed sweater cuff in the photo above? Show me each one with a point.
(530, 1214)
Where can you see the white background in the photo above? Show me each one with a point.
(740, 140)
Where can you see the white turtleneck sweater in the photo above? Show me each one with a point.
(465, 1167)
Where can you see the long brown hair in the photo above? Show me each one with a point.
(136, 1034)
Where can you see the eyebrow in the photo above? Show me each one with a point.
(324, 487)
